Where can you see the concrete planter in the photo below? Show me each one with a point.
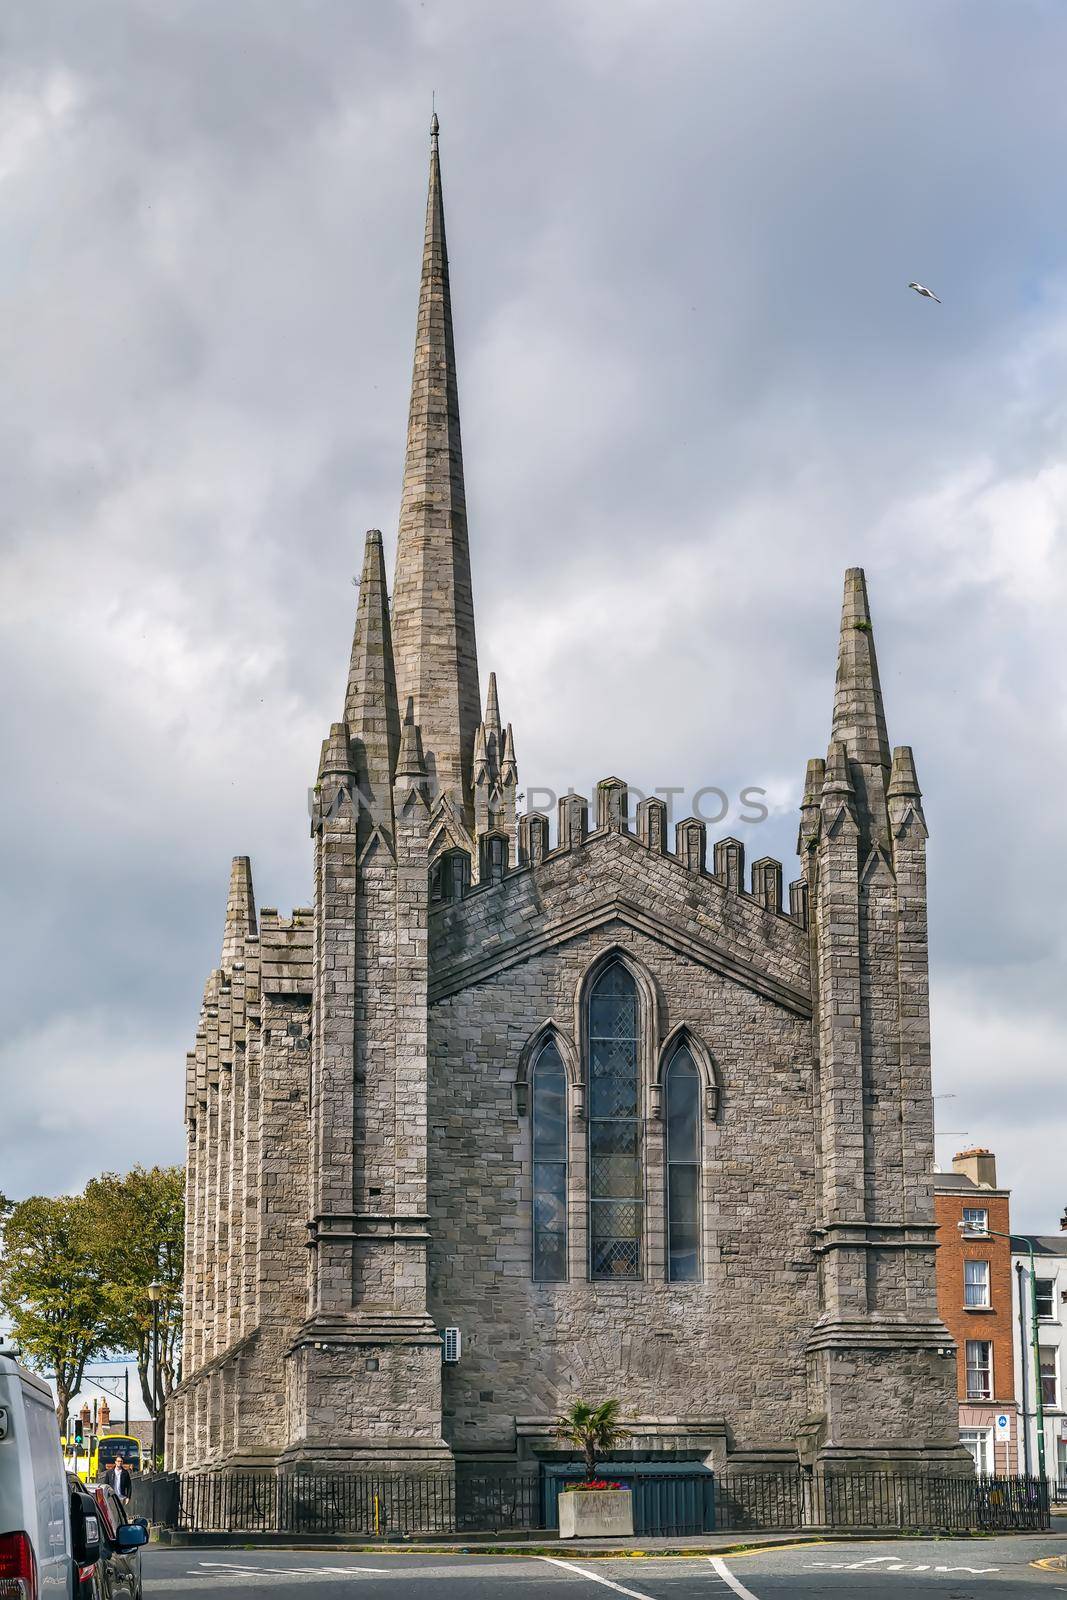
(596, 1514)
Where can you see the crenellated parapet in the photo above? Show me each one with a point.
(611, 810)
(616, 872)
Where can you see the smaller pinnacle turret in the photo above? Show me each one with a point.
(240, 911)
(496, 773)
(509, 772)
(410, 765)
(492, 707)
(903, 779)
(859, 716)
(837, 778)
(371, 710)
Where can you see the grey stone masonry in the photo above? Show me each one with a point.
(450, 1094)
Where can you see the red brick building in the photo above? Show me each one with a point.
(974, 1298)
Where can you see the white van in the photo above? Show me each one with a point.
(35, 1544)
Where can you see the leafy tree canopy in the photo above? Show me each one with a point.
(75, 1274)
(139, 1226)
(52, 1289)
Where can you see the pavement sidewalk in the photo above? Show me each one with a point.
(487, 1544)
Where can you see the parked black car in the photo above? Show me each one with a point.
(84, 1537)
(118, 1571)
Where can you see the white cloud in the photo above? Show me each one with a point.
(30, 116)
(694, 387)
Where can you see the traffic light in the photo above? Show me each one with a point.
(79, 1434)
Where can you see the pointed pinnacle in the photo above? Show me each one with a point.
(903, 780)
(814, 778)
(492, 707)
(435, 126)
(240, 910)
(410, 763)
(336, 758)
(838, 779)
(481, 754)
(371, 709)
(509, 771)
(859, 717)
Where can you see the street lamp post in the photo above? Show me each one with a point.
(1035, 1336)
(155, 1294)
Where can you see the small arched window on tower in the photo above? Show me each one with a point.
(450, 875)
(549, 1166)
(616, 1183)
(682, 1097)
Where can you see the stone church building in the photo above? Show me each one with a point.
(521, 1110)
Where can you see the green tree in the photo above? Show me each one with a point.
(52, 1289)
(139, 1225)
(594, 1430)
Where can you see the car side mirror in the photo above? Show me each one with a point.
(131, 1536)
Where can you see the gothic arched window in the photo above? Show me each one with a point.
(616, 1185)
(682, 1095)
(549, 1166)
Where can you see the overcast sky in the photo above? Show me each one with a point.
(694, 386)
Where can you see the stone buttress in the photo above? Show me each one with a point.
(878, 1340)
(364, 1371)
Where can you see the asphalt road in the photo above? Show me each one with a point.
(970, 1569)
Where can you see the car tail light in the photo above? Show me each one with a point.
(18, 1567)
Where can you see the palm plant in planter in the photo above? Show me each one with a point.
(598, 1509)
(594, 1430)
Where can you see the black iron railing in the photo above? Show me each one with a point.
(479, 1499)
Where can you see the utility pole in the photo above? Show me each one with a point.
(155, 1292)
(1028, 1456)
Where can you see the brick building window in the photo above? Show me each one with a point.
(975, 1220)
(1044, 1293)
(683, 1168)
(616, 1184)
(549, 1166)
(979, 1369)
(975, 1283)
(1049, 1386)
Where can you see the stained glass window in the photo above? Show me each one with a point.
(683, 1168)
(616, 1185)
(549, 1166)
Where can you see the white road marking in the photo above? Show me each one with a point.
(286, 1572)
(728, 1577)
(856, 1566)
(894, 1564)
(595, 1577)
(975, 1571)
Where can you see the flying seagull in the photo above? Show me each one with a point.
(927, 294)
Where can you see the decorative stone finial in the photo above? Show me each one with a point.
(434, 126)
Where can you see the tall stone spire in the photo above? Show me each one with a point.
(859, 716)
(371, 707)
(433, 608)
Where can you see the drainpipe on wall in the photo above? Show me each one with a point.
(1027, 1455)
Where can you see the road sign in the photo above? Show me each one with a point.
(1002, 1425)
